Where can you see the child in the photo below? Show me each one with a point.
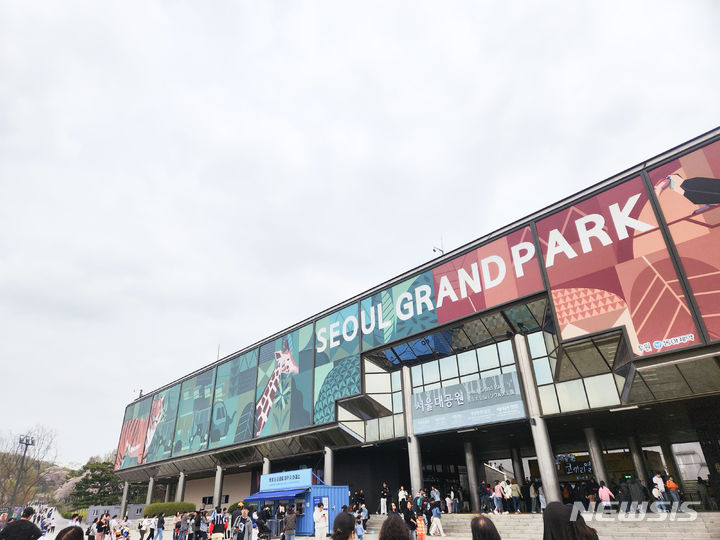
(359, 530)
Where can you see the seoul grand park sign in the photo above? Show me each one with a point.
(598, 256)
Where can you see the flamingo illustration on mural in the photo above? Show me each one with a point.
(284, 365)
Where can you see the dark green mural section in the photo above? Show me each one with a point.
(234, 403)
(193, 418)
(161, 427)
(335, 380)
(284, 383)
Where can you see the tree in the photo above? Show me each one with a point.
(98, 485)
(38, 477)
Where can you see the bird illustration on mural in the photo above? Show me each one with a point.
(284, 365)
(698, 190)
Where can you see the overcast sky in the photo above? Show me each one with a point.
(179, 175)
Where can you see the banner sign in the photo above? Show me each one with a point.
(286, 480)
(482, 401)
(608, 266)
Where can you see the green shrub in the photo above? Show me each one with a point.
(67, 512)
(170, 508)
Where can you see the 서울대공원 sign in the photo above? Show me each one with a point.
(481, 401)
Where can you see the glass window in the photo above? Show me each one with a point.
(396, 381)
(490, 373)
(431, 373)
(448, 367)
(571, 395)
(386, 428)
(601, 390)
(536, 343)
(507, 356)
(416, 373)
(487, 357)
(548, 400)
(372, 431)
(509, 369)
(543, 375)
(399, 425)
(450, 382)
(377, 382)
(432, 386)
(468, 362)
(397, 402)
(468, 378)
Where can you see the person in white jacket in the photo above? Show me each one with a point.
(321, 522)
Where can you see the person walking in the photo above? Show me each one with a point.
(243, 525)
(674, 490)
(410, 520)
(102, 527)
(604, 494)
(321, 522)
(498, 495)
(516, 495)
(160, 526)
(143, 527)
(436, 527)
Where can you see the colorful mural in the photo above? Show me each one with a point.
(193, 418)
(234, 402)
(688, 190)
(283, 399)
(131, 448)
(161, 428)
(608, 266)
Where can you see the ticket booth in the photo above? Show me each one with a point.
(296, 489)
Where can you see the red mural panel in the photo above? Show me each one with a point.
(688, 190)
(608, 266)
(491, 275)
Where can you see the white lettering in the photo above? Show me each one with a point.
(465, 279)
(622, 220)
(365, 328)
(445, 290)
(422, 297)
(347, 335)
(322, 338)
(334, 333)
(519, 259)
(485, 265)
(557, 244)
(404, 306)
(597, 223)
(381, 323)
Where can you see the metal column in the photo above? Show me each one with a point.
(151, 486)
(472, 477)
(123, 504)
(517, 465)
(414, 459)
(538, 428)
(596, 456)
(266, 466)
(180, 493)
(217, 492)
(328, 465)
(636, 454)
(167, 492)
(670, 461)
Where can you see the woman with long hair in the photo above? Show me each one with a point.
(343, 527)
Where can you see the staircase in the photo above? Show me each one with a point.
(530, 527)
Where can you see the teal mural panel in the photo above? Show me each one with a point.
(333, 381)
(193, 417)
(234, 401)
(131, 448)
(398, 312)
(284, 383)
(161, 426)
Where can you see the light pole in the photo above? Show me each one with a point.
(27, 441)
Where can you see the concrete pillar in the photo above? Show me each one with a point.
(671, 462)
(538, 428)
(180, 492)
(638, 461)
(217, 492)
(328, 465)
(517, 465)
(266, 466)
(596, 456)
(151, 485)
(472, 477)
(414, 458)
(123, 504)
(167, 492)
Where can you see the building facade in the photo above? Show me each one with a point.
(591, 326)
